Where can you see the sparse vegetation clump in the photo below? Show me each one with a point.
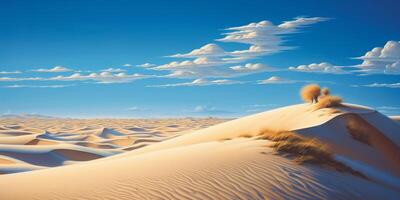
(329, 102)
(304, 150)
(325, 91)
(310, 93)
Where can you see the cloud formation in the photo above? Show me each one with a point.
(323, 67)
(275, 80)
(146, 65)
(36, 86)
(208, 50)
(10, 72)
(212, 61)
(200, 82)
(265, 37)
(103, 77)
(384, 59)
(114, 70)
(387, 85)
(54, 69)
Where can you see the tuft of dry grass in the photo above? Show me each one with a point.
(305, 150)
(310, 93)
(329, 102)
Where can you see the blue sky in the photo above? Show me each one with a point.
(205, 58)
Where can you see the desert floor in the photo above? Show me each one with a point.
(294, 152)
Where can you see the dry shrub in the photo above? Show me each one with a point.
(329, 102)
(305, 150)
(310, 93)
(358, 130)
(325, 91)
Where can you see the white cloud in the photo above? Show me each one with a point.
(198, 62)
(264, 36)
(113, 70)
(275, 80)
(10, 72)
(252, 67)
(323, 67)
(146, 65)
(382, 59)
(11, 79)
(387, 85)
(212, 61)
(301, 22)
(208, 50)
(54, 69)
(103, 77)
(127, 65)
(201, 82)
(36, 86)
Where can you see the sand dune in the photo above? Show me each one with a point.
(28, 143)
(225, 161)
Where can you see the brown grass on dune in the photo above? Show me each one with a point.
(305, 150)
(328, 102)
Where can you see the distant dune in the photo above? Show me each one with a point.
(196, 159)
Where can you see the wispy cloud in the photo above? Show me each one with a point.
(380, 85)
(200, 82)
(54, 69)
(10, 72)
(12, 79)
(36, 86)
(103, 77)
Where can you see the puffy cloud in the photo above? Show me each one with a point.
(264, 36)
(208, 50)
(146, 65)
(10, 72)
(200, 82)
(127, 65)
(54, 69)
(198, 62)
(113, 70)
(213, 61)
(252, 67)
(323, 67)
(382, 59)
(276, 80)
(212, 71)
